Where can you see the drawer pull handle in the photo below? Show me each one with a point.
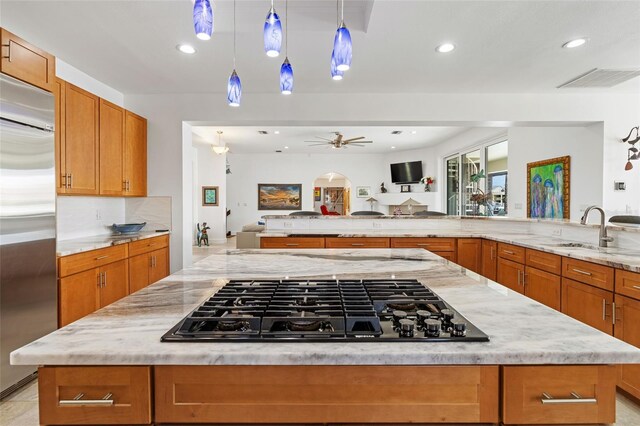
(423, 244)
(101, 257)
(577, 399)
(508, 252)
(580, 271)
(292, 244)
(357, 244)
(77, 400)
(637, 287)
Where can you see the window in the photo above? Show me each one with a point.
(476, 181)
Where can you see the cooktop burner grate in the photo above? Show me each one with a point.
(324, 310)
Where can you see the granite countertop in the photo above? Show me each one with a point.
(611, 256)
(79, 245)
(521, 330)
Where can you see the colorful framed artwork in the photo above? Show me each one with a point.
(548, 188)
(210, 196)
(363, 191)
(317, 193)
(278, 196)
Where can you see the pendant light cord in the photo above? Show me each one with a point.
(338, 13)
(234, 35)
(286, 28)
(343, 12)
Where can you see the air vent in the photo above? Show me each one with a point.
(396, 132)
(262, 132)
(601, 78)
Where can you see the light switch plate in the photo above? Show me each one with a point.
(619, 186)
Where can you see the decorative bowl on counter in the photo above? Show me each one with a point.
(127, 228)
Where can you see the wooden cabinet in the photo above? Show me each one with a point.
(79, 142)
(75, 263)
(114, 282)
(77, 296)
(588, 273)
(112, 145)
(543, 287)
(58, 96)
(135, 155)
(139, 272)
(591, 305)
(26, 62)
(510, 274)
(110, 395)
(470, 254)
(431, 244)
(511, 252)
(547, 262)
(528, 394)
(628, 283)
(326, 394)
(451, 256)
(627, 328)
(489, 259)
(291, 242)
(149, 267)
(159, 265)
(357, 243)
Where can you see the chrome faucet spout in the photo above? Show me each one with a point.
(603, 239)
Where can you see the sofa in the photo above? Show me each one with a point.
(248, 237)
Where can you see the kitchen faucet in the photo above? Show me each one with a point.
(603, 238)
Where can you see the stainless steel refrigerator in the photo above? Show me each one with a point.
(28, 288)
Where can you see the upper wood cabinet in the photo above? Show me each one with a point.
(26, 62)
(79, 141)
(135, 155)
(111, 149)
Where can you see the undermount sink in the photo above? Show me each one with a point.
(575, 245)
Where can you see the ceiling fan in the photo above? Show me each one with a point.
(339, 141)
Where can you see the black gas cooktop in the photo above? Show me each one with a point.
(316, 310)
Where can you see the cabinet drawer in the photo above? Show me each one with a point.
(291, 242)
(511, 252)
(524, 390)
(551, 263)
(114, 395)
(326, 394)
(75, 263)
(356, 243)
(148, 244)
(587, 272)
(628, 283)
(431, 244)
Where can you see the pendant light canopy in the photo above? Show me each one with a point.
(342, 47)
(203, 19)
(286, 71)
(234, 86)
(272, 33)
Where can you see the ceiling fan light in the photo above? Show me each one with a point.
(220, 149)
(234, 90)
(272, 34)
(342, 48)
(203, 19)
(286, 77)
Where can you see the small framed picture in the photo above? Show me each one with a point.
(405, 188)
(363, 191)
(210, 195)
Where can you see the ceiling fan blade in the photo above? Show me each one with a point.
(319, 144)
(353, 139)
(324, 139)
(355, 144)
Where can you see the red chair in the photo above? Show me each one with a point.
(325, 211)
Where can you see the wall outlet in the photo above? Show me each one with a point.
(557, 232)
(377, 225)
(288, 225)
(619, 186)
(517, 206)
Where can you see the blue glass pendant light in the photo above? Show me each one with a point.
(234, 86)
(336, 74)
(286, 71)
(272, 33)
(203, 19)
(342, 48)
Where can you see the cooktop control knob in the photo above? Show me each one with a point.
(432, 328)
(447, 316)
(397, 316)
(421, 317)
(406, 328)
(458, 328)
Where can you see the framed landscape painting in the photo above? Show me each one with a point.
(548, 188)
(278, 196)
(210, 195)
(363, 191)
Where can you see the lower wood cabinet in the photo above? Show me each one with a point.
(627, 328)
(356, 243)
(470, 254)
(148, 268)
(109, 395)
(431, 244)
(489, 259)
(590, 305)
(628, 283)
(291, 242)
(451, 256)
(543, 287)
(547, 394)
(510, 274)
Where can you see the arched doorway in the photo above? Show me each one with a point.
(332, 190)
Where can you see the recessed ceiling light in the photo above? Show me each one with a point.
(262, 132)
(396, 132)
(277, 132)
(445, 48)
(574, 43)
(413, 132)
(186, 48)
(393, 147)
(286, 147)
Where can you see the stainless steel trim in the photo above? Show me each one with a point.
(580, 271)
(104, 279)
(423, 244)
(604, 309)
(357, 244)
(77, 400)
(576, 399)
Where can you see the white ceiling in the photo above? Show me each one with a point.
(246, 139)
(502, 46)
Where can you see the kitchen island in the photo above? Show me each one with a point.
(533, 350)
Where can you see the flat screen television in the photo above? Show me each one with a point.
(410, 172)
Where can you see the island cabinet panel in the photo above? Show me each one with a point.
(431, 244)
(291, 242)
(489, 259)
(470, 253)
(542, 286)
(511, 252)
(592, 306)
(26, 62)
(111, 149)
(627, 328)
(628, 283)
(588, 273)
(510, 274)
(347, 242)
(525, 388)
(547, 262)
(326, 394)
(112, 395)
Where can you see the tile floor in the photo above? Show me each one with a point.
(21, 408)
